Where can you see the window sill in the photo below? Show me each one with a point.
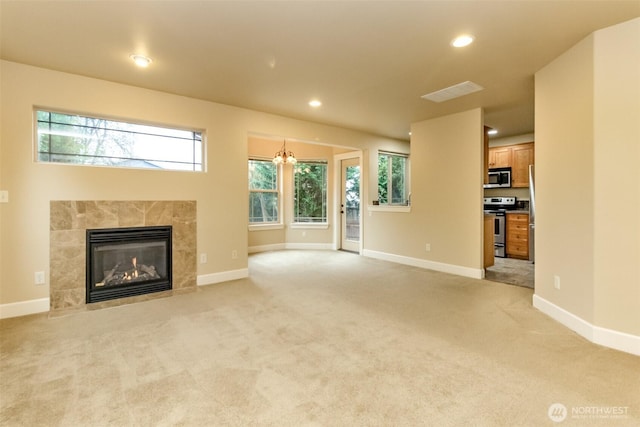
(264, 227)
(311, 225)
(379, 208)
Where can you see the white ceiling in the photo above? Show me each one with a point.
(368, 61)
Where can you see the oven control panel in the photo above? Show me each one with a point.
(499, 204)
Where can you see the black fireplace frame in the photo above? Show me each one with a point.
(101, 236)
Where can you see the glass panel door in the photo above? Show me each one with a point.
(350, 205)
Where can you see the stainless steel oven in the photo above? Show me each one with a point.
(498, 206)
(499, 233)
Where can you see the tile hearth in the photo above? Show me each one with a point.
(69, 221)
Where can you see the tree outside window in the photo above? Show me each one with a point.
(263, 192)
(392, 179)
(95, 141)
(310, 192)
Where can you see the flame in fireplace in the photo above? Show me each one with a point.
(134, 272)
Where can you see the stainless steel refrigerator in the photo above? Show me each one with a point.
(532, 213)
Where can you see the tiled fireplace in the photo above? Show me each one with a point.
(69, 222)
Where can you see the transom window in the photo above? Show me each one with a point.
(264, 192)
(85, 140)
(310, 192)
(392, 179)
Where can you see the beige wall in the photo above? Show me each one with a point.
(564, 180)
(447, 188)
(446, 195)
(221, 192)
(617, 155)
(587, 180)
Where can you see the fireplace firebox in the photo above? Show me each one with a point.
(130, 261)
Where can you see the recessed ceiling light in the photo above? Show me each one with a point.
(462, 41)
(141, 60)
(492, 132)
(315, 103)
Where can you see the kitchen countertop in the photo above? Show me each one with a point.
(521, 211)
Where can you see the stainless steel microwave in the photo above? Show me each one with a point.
(499, 178)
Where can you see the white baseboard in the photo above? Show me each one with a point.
(474, 273)
(24, 308)
(310, 246)
(284, 246)
(267, 248)
(224, 276)
(596, 334)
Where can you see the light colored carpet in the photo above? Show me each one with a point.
(313, 338)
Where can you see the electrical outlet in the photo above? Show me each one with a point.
(556, 282)
(234, 254)
(427, 247)
(203, 258)
(4, 196)
(304, 234)
(39, 278)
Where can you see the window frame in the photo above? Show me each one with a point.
(320, 224)
(197, 164)
(407, 188)
(272, 225)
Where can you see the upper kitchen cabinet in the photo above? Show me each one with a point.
(518, 157)
(522, 157)
(500, 157)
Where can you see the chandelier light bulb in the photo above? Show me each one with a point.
(284, 156)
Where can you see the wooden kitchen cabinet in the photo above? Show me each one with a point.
(521, 157)
(499, 157)
(489, 249)
(518, 157)
(517, 235)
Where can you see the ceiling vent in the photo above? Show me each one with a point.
(454, 91)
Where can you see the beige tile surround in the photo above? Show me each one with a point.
(69, 221)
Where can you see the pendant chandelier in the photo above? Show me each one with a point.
(284, 156)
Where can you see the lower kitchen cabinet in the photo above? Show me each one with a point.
(489, 248)
(517, 235)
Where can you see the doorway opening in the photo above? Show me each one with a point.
(350, 215)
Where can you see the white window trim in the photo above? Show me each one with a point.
(202, 132)
(395, 207)
(389, 208)
(265, 227)
(280, 190)
(310, 225)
